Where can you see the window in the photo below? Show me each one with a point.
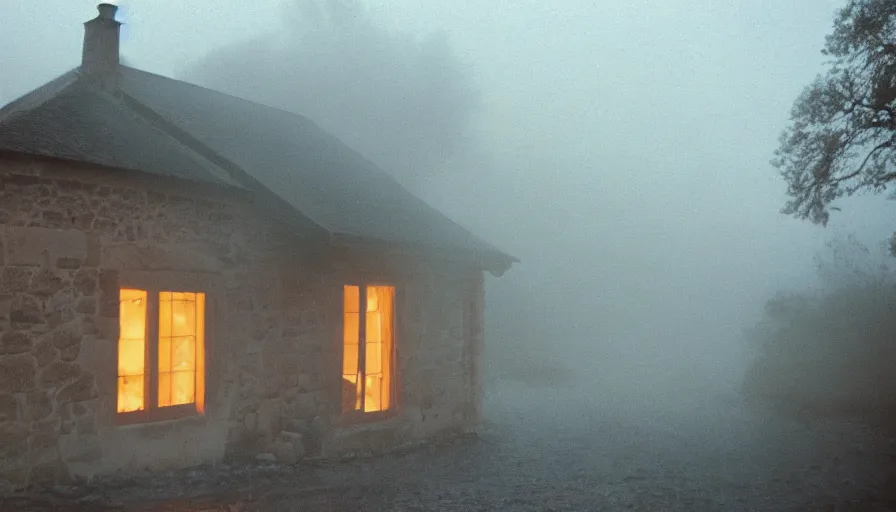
(367, 366)
(161, 365)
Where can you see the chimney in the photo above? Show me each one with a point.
(99, 62)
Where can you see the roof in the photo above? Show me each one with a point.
(66, 119)
(167, 127)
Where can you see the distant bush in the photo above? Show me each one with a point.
(832, 350)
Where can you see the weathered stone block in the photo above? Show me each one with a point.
(13, 445)
(88, 327)
(108, 287)
(268, 418)
(15, 279)
(70, 353)
(250, 422)
(45, 283)
(318, 430)
(17, 373)
(54, 219)
(80, 447)
(94, 249)
(305, 382)
(306, 405)
(104, 226)
(43, 447)
(5, 305)
(25, 311)
(9, 408)
(83, 221)
(53, 472)
(61, 308)
(83, 388)
(137, 256)
(86, 425)
(39, 246)
(68, 341)
(80, 409)
(284, 452)
(289, 410)
(58, 373)
(266, 457)
(296, 440)
(85, 281)
(65, 337)
(295, 425)
(39, 405)
(289, 447)
(44, 353)
(16, 342)
(290, 393)
(68, 263)
(86, 306)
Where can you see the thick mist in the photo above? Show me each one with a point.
(619, 149)
(664, 312)
(628, 171)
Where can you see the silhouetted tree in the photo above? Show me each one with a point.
(842, 137)
(403, 101)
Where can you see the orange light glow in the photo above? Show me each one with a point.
(131, 350)
(373, 375)
(181, 345)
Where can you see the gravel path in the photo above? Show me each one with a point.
(545, 449)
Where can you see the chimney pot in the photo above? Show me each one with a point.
(107, 11)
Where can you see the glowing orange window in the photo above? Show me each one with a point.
(367, 368)
(161, 366)
(132, 351)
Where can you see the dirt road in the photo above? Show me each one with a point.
(552, 449)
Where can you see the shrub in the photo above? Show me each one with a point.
(831, 350)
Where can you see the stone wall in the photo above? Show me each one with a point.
(70, 236)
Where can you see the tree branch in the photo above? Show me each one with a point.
(882, 145)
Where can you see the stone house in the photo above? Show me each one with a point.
(182, 276)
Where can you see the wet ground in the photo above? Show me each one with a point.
(551, 449)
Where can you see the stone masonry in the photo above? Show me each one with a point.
(72, 235)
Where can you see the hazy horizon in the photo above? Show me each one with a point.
(620, 149)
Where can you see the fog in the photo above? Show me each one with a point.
(619, 149)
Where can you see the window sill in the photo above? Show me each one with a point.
(189, 427)
(357, 419)
(160, 416)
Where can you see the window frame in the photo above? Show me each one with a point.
(360, 416)
(152, 412)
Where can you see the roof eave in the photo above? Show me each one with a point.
(87, 165)
(40, 95)
(494, 262)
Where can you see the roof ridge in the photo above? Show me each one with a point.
(232, 170)
(152, 118)
(321, 130)
(39, 96)
(222, 93)
(184, 134)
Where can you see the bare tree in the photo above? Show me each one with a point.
(842, 137)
